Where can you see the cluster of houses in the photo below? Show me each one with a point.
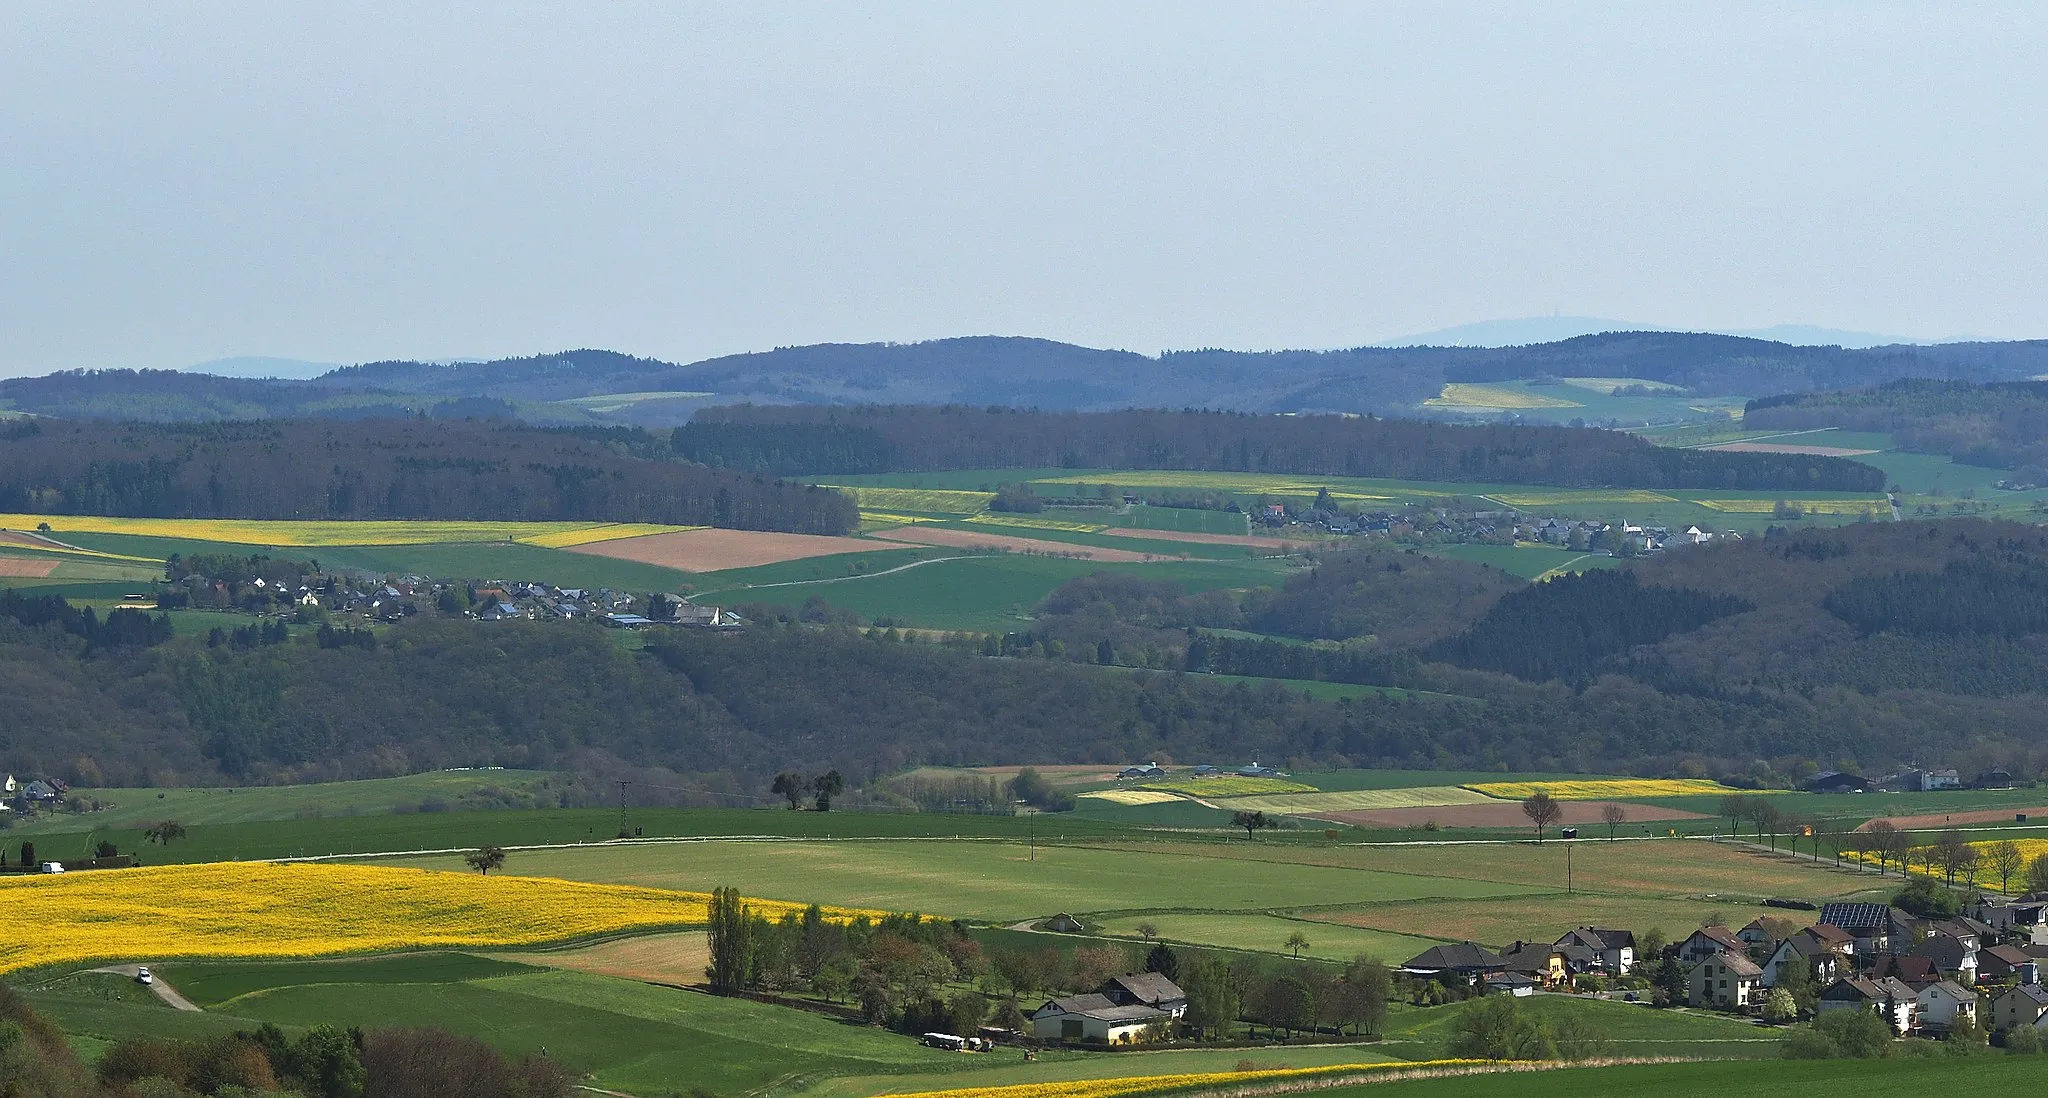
(29, 796)
(1500, 525)
(1915, 780)
(395, 598)
(1146, 771)
(1922, 976)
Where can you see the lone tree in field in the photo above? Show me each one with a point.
(485, 858)
(791, 787)
(1542, 810)
(1295, 943)
(1613, 815)
(164, 832)
(825, 787)
(1250, 821)
(2005, 859)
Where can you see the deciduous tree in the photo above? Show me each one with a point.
(1542, 811)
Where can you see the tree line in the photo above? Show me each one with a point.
(2000, 425)
(803, 439)
(385, 469)
(323, 1062)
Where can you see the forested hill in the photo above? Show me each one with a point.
(792, 439)
(1027, 372)
(384, 469)
(2002, 425)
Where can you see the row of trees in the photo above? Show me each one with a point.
(323, 1062)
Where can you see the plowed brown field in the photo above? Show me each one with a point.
(717, 550)
(1929, 820)
(24, 567)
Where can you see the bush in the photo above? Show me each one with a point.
(1841, 1035)
(1928, 900)
(2023, 1040)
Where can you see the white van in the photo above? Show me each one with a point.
(53, 867)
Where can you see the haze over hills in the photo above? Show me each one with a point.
(598, 386)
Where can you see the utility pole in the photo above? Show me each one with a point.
(1568, 868)
(623, 830)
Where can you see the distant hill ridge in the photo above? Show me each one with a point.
(1040, 373)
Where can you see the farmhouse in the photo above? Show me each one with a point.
(1729, 981)
(1544, 964)
(1127, 1009)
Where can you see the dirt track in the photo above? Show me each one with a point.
(1504, 814)
(716, 550)
(971, 539)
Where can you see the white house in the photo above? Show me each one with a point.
(1890, 998)
(1728, 981)
(2025, 1005)
(1944, 1004)
(1616, 949)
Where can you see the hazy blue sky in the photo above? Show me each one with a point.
(354, 181)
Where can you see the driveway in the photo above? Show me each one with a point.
(163, 990)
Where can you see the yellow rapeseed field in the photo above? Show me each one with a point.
(263, 909)
(1604, 789)
(1133, 796)
(321, 532)
(1456, 395)
(1157, 1084)
(933, 501)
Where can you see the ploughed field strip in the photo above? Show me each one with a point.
(282, 532)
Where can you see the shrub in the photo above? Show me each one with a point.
(1841, 1034)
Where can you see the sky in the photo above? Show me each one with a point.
(183, 182)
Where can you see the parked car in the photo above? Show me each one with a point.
(143, 976)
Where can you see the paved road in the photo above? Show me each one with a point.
(163, 990)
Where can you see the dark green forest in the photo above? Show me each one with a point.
(385, 469)
(1749, 692)
(791, 439)
(2002, 425)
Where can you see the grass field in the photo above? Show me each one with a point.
(1186, 520)
(1269, 934)
(1778, 1079)
(131, 808)
(368, 834)
(998, 882)
(987, 592)
(1132, 796)
(1548, 918)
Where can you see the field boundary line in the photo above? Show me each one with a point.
(829, 579)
